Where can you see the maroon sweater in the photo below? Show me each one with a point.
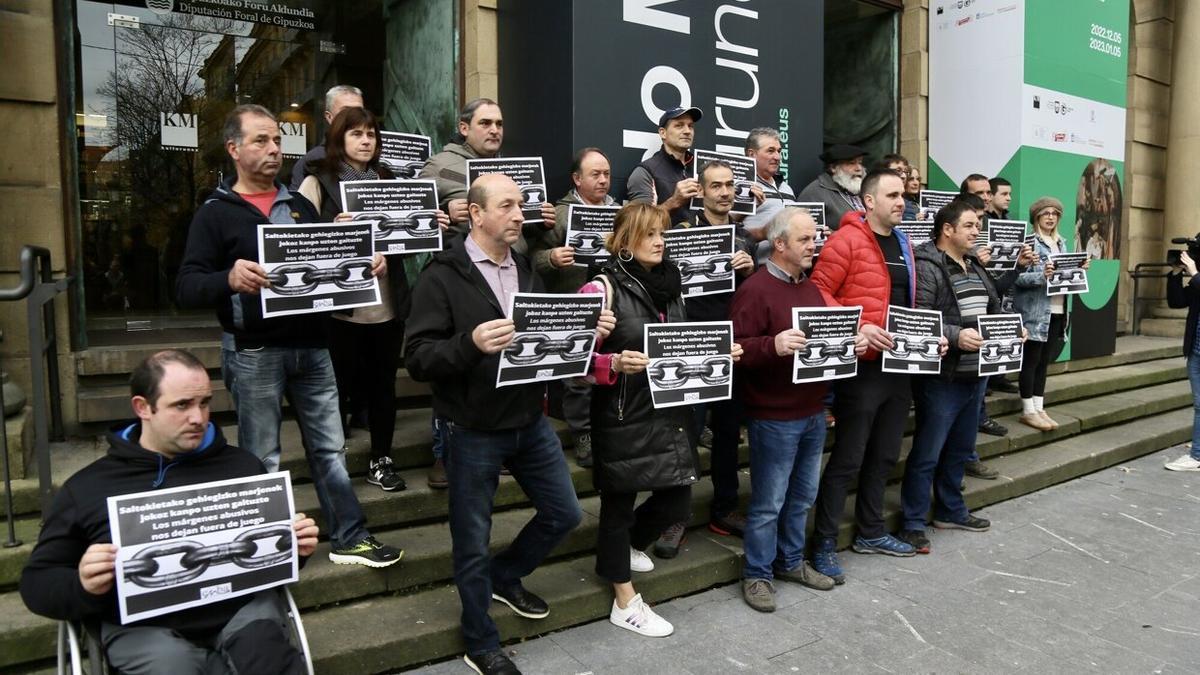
(762, 308)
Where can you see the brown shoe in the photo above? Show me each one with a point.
(1035, 420)
(1047, 419)
(437, 476)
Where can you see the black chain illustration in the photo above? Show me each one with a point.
(927, 348)
(742, 191)
(343, 276)
(674, 373)
(587, 243)
(415, 224)
(534, 347)
(1071, 276)
(403, 169)
(1006, 251)
(716, 267)
(815, 352)
(533, 195)
(142, 569)
(999, 350)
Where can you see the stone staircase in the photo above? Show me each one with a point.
(1111, 409)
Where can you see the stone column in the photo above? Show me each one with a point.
(1183, 136)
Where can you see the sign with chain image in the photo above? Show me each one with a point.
(689, 362)
(199, 544)
(555, 337)
(317, 268)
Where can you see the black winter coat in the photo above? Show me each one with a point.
(935, 291)
(451, 299)
(634, 446)
(1185, 292)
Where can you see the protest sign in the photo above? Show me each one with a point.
(1069, 277)
(1005, 239)
(198, 544)
(526, 172)
(917, 231)
(828, 351)
(588, 228)
(817, 211)
(555, 337)
(704, 256)
(317, 267)
(1002, 348)
(743, 179)
(689, 362)
(916, 338)
(404, 212)
(931, 201)
(404, 154)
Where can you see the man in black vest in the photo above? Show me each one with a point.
(665, 179)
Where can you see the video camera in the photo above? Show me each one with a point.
(1193, 249)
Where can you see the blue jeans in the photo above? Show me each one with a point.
(947, 421)
(785, 468)
(983, 385)
(1193, 364)
(473, 461)
(258, 379)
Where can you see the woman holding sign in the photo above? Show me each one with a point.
(364, 343)
(1044, 316)
(636, 447)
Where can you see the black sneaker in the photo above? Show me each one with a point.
(730, 524)
(992, 428)
(522, 602)
(494, 662)
(383, 474)
(971, 524)
(367, 552)
(915, 539)
(980, 470)
(583, 450)
(668, 544)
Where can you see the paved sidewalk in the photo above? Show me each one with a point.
(1101, 574)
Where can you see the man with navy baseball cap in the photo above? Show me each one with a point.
(666, 177)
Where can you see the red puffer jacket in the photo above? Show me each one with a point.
(852, 271)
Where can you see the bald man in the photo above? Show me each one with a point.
(454, 340)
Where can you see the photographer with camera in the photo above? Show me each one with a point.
(1183, 290)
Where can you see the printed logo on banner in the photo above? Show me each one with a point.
(161, 7)
(295, 138)
(177, 131)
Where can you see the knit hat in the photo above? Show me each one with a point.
(1041, 204)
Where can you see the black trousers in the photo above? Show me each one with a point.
(1038, 356)
(622, 526)
(871, 410)
(365, 358)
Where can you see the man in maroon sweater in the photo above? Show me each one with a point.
(786, 420)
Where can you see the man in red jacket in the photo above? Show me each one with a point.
(786, 420)
(866, 262)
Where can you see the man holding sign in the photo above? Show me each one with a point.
(455, 337)
(71, 572)
(786, 421)
(951, 279)
(263, 359)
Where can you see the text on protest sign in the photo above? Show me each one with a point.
(689, 362)
(317, 267)
(554, 339)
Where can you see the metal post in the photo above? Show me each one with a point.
(12, 540)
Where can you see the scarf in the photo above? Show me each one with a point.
(347, 172)
(662, 281)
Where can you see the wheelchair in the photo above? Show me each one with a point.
(76, 639)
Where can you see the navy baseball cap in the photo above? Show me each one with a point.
(679, 112)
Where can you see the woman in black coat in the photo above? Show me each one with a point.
(636, 447)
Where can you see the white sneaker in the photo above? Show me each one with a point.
(639, 561)
(1185, 463)
(639, 618)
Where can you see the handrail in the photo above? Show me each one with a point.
(1141, 271)
(39, 288)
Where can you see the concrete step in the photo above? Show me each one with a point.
(382, 635)
(1164, 312)
(1164, 328)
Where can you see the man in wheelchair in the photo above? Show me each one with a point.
(70, 574)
